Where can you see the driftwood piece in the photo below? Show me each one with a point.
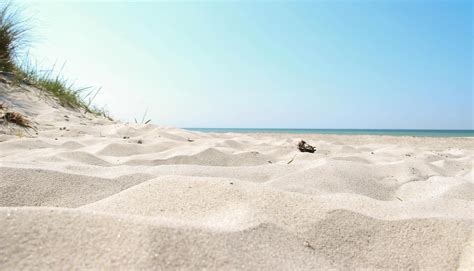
(305, 147)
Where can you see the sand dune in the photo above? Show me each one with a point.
(103, 195)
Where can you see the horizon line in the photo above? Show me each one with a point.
(361, 129)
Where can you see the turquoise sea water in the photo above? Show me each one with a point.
(433, 133)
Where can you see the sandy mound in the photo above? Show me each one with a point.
(99, 194)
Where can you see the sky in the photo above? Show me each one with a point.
(273, 64)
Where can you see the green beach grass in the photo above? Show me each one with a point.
(14, 34)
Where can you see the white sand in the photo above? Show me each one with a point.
(90, 196)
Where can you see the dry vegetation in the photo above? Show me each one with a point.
(6, 115)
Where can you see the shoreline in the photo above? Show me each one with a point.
(368, 132)
(442, 142)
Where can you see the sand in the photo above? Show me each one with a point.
(100, 194)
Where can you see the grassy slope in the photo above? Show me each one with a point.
(13, 40)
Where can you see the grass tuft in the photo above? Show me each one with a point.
(13, 40)
(13, 36)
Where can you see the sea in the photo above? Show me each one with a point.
(389, 132)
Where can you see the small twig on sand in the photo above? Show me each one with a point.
(307, 244)
(292, 159)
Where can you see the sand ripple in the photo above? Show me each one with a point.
(147, 197)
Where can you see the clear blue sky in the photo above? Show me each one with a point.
(315, 64)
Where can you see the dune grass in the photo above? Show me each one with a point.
(67, 94)
(13, 43)
(13, 36)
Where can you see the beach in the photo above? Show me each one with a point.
(83, 192)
